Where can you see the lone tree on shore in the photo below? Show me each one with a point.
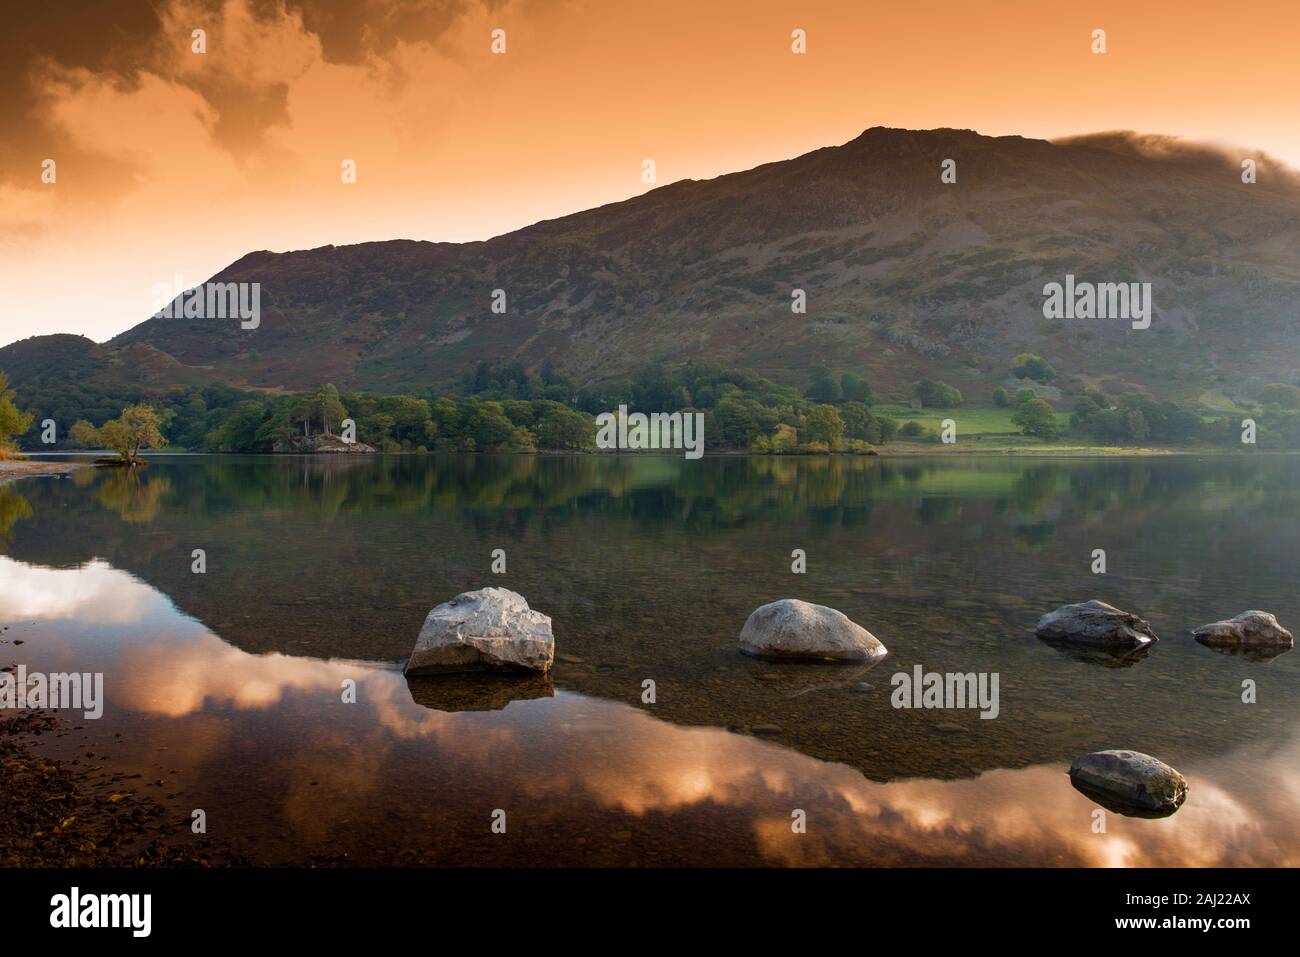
(135, 429)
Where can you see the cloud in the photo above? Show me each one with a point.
(257, 52)
(1178, 151)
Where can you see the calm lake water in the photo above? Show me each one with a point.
(227, 686)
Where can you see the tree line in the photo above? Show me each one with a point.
(503, 407)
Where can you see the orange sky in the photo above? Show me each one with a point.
(173, 162)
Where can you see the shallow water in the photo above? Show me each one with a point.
(226, 686)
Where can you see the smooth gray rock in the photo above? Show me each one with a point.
(1095, 623)
(491, 629)
(1129, 782)
(1249, 629)
(797, 630)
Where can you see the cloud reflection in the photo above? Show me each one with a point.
(573, 760)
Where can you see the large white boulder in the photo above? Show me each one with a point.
(491, 629)
(1249, 629)
(1095, 623)
(1129, 782)
(796, 629)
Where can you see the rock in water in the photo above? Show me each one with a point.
(796, 630)
(1129, 782)
(491, 629)
(1095, 623)
(1253, 629)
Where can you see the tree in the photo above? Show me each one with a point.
(825, 425)
(1138, 429)
(561, 428)
(329, 407)
(83, 435)
(489, 427)
(135, 429)
(1029, 366)
(1036, 417)
(936, 395)
(784, 439)
(13, 421)
(1280, 394)
(824, 389)
(1000, 398)
(302, 410)
(856, 388)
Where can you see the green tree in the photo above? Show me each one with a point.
(561, 428)
(238, 432)
(825, 425)
(327, 405)
(489, 428)
(135, 429)
(1280, 394)
(1138, 428)
(936, 395)
(83, 435)
(824, 389)
(856, 388)
(1029, 366)
(13, 421)
(1036, 418)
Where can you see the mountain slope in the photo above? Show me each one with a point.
(905, 276)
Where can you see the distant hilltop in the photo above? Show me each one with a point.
(902, 275)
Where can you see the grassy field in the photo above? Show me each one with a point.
(971, 421)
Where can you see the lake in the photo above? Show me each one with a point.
(226, 690)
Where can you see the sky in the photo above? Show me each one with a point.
(170, 162)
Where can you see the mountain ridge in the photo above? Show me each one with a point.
(905, 277)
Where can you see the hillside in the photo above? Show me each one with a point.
(905, 277)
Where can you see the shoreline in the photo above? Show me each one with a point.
(56, 812)
(13, 469)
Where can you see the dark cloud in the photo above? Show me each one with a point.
(74, 33)
(122, 38)
(351, 30)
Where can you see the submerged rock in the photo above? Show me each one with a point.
(1095, 623)
(1130, 783)
(797, 630)
(1250, 629)
(491, 629)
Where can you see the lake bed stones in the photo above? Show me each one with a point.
(794, 630)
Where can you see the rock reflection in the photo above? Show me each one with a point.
(1101, 656)
(1253, 653)
(470, 692)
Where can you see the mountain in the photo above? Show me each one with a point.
(905, 276)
